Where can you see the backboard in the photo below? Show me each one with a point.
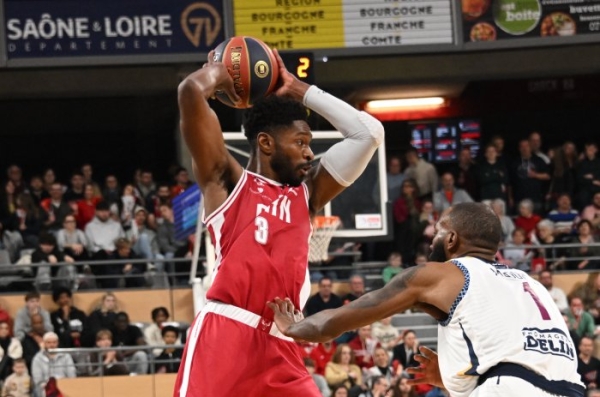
(362, 207)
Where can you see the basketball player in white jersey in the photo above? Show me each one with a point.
(500, 332)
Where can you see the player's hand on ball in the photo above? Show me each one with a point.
(285, 313)
(429, 371)
(223, 82)
(288, 84)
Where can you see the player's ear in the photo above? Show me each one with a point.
(265, 142)
(452, 241)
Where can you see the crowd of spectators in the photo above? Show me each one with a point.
(43, 220)
(27, 362)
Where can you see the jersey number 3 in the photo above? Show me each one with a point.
(261, 234)
(527, 288)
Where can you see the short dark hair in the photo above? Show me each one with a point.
(323, 279)
(32, 295)
(47, 239)
(157, 310)
(270, 114)
(103, 206)
(122, 315)
(309, 362)
(59, 291)
(19, 361)
(476, 223)
(169, 328)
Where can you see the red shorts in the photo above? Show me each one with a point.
(224, 357)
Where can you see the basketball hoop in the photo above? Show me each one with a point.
(323, 228)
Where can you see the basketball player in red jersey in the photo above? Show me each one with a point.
(259, 221)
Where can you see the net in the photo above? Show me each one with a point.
(323, 228)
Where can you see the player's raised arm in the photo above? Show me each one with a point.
(215, 169)
(425, 287)
(345, 161)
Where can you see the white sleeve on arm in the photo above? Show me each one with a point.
(363, 134)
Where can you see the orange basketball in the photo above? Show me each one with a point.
(252, 66)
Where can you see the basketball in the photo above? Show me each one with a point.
(252, 66)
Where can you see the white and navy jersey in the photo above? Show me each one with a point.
(502, 315)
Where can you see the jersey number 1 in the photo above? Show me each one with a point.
(527, 288)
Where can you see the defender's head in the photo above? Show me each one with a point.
(278, 133)
(466, 228)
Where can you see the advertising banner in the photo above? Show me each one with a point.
(72, 28)
(490, 20)
(313, 24)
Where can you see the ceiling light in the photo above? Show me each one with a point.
(401, 104)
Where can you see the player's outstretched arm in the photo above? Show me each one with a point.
(423, 286)
(215, 169)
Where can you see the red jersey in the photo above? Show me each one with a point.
(261, 235)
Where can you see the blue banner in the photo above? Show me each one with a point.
(185, 210)
(71, 28)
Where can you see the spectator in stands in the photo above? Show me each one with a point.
(106, 362)
(88, 177)
(387, 335)
(382, 367)
(27, 220)
(323, 299)
(36, 190)
(342, 370)
(378, 386)
(33, 341)
(10, 350)
(153, 333)
(54, 275)
(401, 388)
(86, 207)
(15, 175)
(588, 366)
(357, 289)
(535, 142)
(515, 255)
(146, 185)
(465, 173)
(46, 365)
(162, 196)
(422, 172)
(18, 384)
(587, 249)
(492, 176)
(508, 226)
(171, 247)
(132, 271)
(102, 318)
(340, 391)
(394, 266)
(125, 334)
(557, 294)
(49, 177)
(592, 213)
(527, 219)
(404, 352)
(564, 216)
(529, 176)
(589, 292)
(68, 321)
(321, 355)
(562, 173)
(75, 192)
(449, 195)
(319, 379)
(112, 191)
(554, 257)
(102, 232)
(394, 177)
(127, 205)
(23, 324)
(182, 182)
(580, 321)
(56, 208)
(364, 346)
(406, 216)
(8, 202)
(72, 241)
(169, 360)
(145, 241)
(588, 175)
(427, 220)
(593, 393)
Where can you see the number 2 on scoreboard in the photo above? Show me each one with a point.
(527, 288)
(303, 67)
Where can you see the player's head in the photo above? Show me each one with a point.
(278, 132)
(471, 228)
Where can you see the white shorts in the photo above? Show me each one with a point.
(508, 386)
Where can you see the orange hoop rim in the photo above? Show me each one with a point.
(324, 221)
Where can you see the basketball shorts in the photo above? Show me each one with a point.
(232, 352)
(509, 386)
